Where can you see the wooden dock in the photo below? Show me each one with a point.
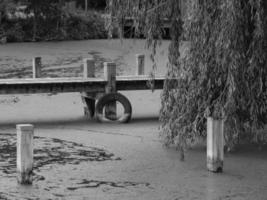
(92, 89)
(64, 85)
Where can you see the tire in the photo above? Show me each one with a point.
(113, 97)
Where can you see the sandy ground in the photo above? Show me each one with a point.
(145, 170)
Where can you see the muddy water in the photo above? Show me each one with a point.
(132, 163)
(144, 170)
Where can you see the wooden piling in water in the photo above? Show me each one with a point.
(140, 64)
(89, 98)
(215, 142)
(25, 153)
(37, 67)
(110, 77)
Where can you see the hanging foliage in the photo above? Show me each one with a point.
(224, 73)
(222, 76)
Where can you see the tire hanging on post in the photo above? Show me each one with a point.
(113, 97)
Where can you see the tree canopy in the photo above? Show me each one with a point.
(224, 73)
(5, 7)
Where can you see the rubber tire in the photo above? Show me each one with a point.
(111, 97)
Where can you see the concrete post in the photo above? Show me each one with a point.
(110, 77)
(89, 98)
(215, 145)
(37, 67)
(25, 153)
(140, 64)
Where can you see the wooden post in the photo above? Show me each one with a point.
(89, 98)
(37, 67)
(140, 64)
(88, 68)
(86, 6)
(215, 145)
(25, 153)
(110, 77)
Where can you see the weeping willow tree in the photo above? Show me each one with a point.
(224, 72)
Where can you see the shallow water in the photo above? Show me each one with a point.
(144, 170)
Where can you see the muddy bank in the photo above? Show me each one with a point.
(49, 151)
(65, 59)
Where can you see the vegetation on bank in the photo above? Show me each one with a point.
(72, 27)
(48, 20)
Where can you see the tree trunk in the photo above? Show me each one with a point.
(0, 18)
(61, 3)
(35, 21)
(34, 28)
(86, 5)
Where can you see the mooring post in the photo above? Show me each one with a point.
(88, 68)
(89, 98)
(25, 153)
(110, 77)
(140, 64)
(37, 67)
(215, 144)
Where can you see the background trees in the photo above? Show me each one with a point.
(93, 4)
(5, 7)
(49, 20)
(44, 13)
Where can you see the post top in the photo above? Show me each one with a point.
(109, 64)
(211, 119)
(89, 59)
(140, 55)
(24, 127)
